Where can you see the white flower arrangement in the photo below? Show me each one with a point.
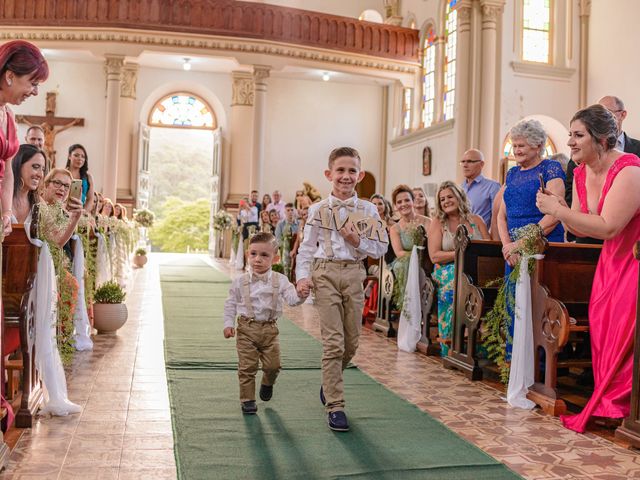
(144, 217)
(222, 220)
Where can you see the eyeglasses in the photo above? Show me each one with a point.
(59, 184)
(462, 162)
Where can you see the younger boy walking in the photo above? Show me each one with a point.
(331, 261)
(256, 299)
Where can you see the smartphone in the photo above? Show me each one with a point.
(541, 182)
(76, 189)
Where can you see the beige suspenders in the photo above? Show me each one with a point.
(246, 295)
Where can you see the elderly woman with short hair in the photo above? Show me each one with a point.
(518, 207)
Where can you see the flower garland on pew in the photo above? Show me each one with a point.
(54, 217)
(496, 323)
(90, 247)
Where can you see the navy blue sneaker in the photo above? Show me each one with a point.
(249, 407)
(322, 399)
(338, 421)
(266, 392)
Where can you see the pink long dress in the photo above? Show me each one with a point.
(612, 312)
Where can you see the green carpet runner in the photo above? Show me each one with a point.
(288, 438)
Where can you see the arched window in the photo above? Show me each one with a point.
(451, 36)
(536, 31)
(428, 77)
(371, 16)
(407, 102)
(182, 110)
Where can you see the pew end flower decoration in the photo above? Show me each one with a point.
(496, 323)
(222, 220)
(144, 217)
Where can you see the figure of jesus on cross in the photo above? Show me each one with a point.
(51, 125)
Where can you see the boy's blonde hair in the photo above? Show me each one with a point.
(264, 237)
(343, 152)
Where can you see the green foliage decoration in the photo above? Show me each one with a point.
(496, 323)
(110, 292)
(141, 251)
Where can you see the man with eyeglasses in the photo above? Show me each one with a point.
(480, 190)
(624, 143)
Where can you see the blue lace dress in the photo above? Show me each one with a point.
(520, 201)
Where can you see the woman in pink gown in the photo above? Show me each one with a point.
(606, 205)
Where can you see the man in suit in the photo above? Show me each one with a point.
(624, 143)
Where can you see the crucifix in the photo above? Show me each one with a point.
(51, 125)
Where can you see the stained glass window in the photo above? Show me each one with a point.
(407, 101)
(428, 77)
(182, 110)
(536, 30)
(451, 35)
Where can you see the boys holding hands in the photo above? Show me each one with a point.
(331, 261)
(256, 299)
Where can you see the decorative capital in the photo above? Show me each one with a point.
(243, 89)
(464, 14)
(261, 73)
(491, 10)
(584, 8)
(113, 67)
(129, 81)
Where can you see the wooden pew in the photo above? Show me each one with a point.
(477, 262)
(19, 262)
(629, 431)
(560, 293)
(387, 313)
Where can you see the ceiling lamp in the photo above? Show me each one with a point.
(326, 76)
(187, 64)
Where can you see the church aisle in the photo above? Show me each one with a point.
(124, 430)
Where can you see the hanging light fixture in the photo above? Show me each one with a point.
(187, 64)
(326, 76)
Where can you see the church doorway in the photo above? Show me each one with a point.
(181, 165)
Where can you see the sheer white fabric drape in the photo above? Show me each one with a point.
(103, 264)
(47, 357)
(81, 323)
(521, 375)
(409, 331)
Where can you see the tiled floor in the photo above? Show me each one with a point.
(124, 430)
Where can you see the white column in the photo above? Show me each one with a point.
(585, 13)
(128, 129)
(113, 70)
(260, 74)
(489, 113)
(237, 172)
(463, 73)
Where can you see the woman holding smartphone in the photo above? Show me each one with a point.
(78, 165)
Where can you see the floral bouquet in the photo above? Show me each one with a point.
(222, 220)
(144, 217)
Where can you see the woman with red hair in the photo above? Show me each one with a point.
(22, 68)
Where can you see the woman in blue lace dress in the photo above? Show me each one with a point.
(519, 194)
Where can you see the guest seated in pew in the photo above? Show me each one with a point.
(605, 205)
(452, 210)
(518, 207)
(56, 194)
(28, 171)
(384, 210)
(274, 219)
(107, 209)
(265, 222)
(120, 211)
(409, 231)
(420, 204)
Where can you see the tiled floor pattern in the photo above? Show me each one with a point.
(124, 430)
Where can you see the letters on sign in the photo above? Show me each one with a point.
(368, 227)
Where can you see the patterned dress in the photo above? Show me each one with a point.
(443, 274)
(409, 237)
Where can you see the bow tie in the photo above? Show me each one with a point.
(257, 277)
(340, 204)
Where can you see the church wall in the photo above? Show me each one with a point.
(81, 90)
(524, 96)
(306, 119)
(613, 43)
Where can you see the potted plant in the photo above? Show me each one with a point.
(109, 312)
(140, 258)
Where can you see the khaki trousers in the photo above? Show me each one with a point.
(339, 298)
(256, 341)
